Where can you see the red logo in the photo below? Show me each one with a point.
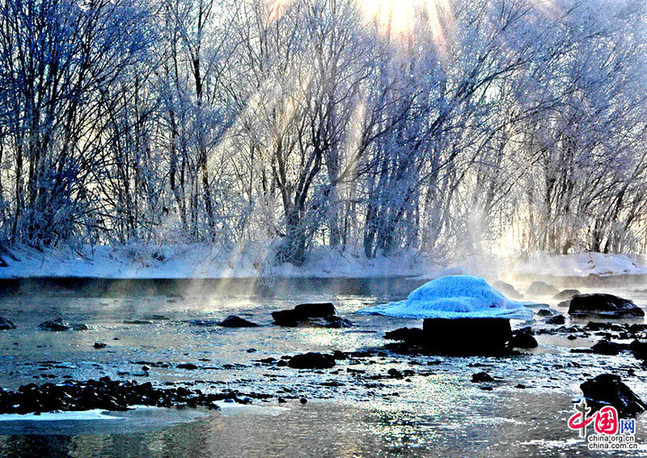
(605, 420)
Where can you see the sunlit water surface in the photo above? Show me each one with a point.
(352, 409)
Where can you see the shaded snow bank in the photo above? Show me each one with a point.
(454, 296)
(202, 261)
(581, 264)
(546, 264)
(254, 260)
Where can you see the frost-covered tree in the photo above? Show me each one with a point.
(447, 126)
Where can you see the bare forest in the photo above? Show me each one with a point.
(447, 126)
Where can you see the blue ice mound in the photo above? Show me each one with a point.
(454, 296)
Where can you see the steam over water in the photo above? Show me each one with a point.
(353, 409)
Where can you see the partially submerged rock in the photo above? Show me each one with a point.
(566, 294)
(608, 389)
(463, 315)
(523, 338)
(639, 349)
(606, 347)
(233, 321)
(481, 377)
(465, 336)
(312, 361)
(59, 324)
(605, 305)
(507, 289)
(555, 319)
(414, 336)
(541, 288)
(315, 314)
(6, 324)
(454, 296)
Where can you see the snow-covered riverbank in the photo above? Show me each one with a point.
(201, 261)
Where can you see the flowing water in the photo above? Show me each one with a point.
(355, 409)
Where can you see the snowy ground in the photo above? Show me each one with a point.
(200, 261)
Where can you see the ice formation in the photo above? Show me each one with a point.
(454, 296)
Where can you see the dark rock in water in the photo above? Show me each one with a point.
(106, 394)
(567, 294)
(523, 338)
(316, 314)
(206, 323)
(639, 349)
(412, 335)
(303, 401)
(311, 361)
(467, 336)
(334, 322)
(636, 328)
(99, 345)
(187, 366)
(507, 289)
(156, 317)
(303, 312)
(541, 288)
(6, 324)
(596, 326)
(396, 374)
(547, 312)
(581, 350)
(555, 319)
(138, 322)
(481, 377)
(608, 389)
(339, 355)
(61, 325)
(233, 321)
(606, 347)
(606, 305)
(314, 310)
(461, 336)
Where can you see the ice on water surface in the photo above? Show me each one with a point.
(454, 296)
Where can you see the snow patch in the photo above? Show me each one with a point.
(454, 296)
(257, 260)
(580, 265)
(83, 415)
(205, 261)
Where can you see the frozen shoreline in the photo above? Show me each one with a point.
(205, 262)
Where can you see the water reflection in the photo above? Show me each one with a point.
(438, 411)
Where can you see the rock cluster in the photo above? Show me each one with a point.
(59, 324)
(317, 314)
(104, 394)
